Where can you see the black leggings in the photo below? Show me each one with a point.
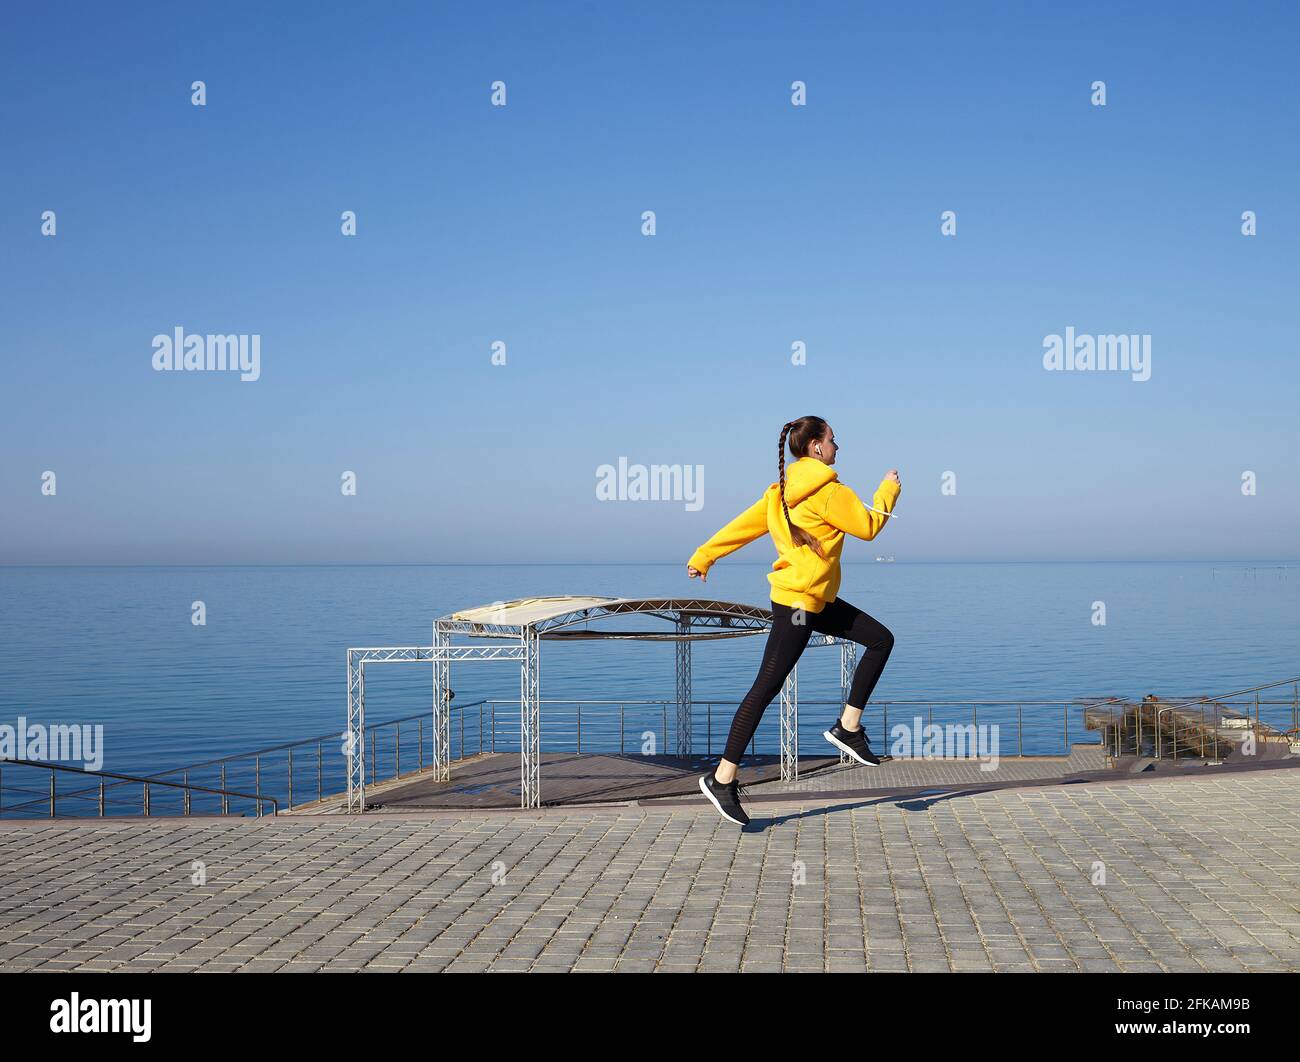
(786, 641)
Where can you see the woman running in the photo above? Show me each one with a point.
(807, 521)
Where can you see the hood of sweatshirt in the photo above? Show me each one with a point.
(804, 478)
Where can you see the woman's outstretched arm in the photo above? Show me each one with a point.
(746, 527)
(845, 510)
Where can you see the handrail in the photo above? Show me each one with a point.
(1204, 700)
(139, 780)
(160, 778)
(892, 700)
(333, 735)
(572, 727)
(255, 754)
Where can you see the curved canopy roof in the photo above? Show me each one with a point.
(566, 618)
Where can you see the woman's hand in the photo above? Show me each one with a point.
(691, 573)
(892, 476)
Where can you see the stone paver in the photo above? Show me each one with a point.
(1176, 874)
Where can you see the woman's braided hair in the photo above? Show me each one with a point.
(802, 432)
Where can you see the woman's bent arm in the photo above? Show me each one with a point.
(746, 527)
(845, 510)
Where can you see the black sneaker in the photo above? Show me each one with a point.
(726, 798)
(853, 742)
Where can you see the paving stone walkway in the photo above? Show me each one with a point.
(1199, 874)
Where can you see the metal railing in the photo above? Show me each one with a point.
(603, 725)
(1218, 703)
(571, 725)
(1129, 724)
(51, 797)
(275, 773)
(1040, 727)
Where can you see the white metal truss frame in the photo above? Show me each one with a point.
(693, 620)
(790, 704)
(790, 726)
(848, 657)
(440, 655)
(682, 652)
(530, 722)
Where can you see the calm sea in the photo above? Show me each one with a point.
(117, 646)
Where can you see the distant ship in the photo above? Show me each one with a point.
(886, 560)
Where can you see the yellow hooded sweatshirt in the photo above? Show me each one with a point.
(821, 505)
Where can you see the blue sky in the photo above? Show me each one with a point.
(522, 224)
